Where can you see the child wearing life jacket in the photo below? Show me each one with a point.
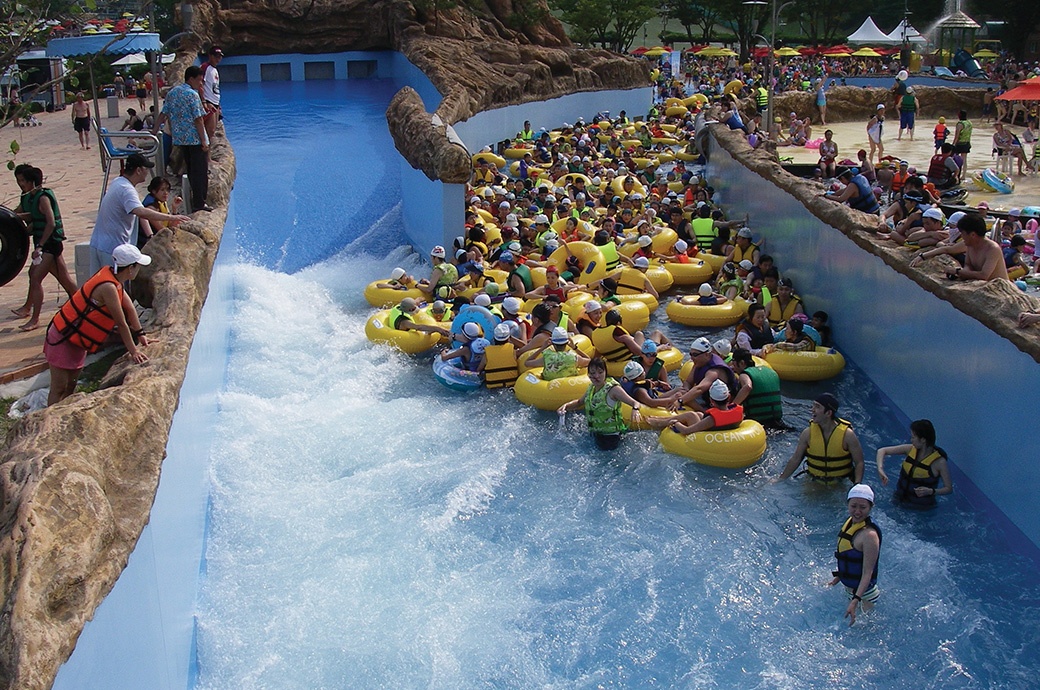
(940, 133)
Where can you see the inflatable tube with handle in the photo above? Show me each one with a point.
(14, 245)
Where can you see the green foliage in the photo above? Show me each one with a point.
(525, 16)
(611, 23)
(697, 18)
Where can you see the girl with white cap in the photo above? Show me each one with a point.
(858, 551)
(85, 322)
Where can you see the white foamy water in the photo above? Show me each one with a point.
(371, 529)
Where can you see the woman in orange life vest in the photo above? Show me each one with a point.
(721, 414)
(89, 317)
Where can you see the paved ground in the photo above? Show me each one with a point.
(852, 136)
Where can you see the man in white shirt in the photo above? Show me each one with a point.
(211, 89)
(119, 207)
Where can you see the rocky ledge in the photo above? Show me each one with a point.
(78, 479)
(996, 303)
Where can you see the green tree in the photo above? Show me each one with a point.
(821, 21)
(613, 24)
(694, 15)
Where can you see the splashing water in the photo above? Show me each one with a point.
(370, 528)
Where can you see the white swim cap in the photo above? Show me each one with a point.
(722, 347)
(502, 332)
(471, 330)
(482, 300)
(397, 274)
(559, 336)
(633, 370)
(681, 246)
(719, 391)
(512, 305)
(704, 290)
(861, 491)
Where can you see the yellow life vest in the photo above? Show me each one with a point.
(632, 281)
(828, 459)
(778, 316)
(741, 254)
(608, 348)
(500, 368)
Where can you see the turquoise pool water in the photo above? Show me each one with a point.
(372, 529)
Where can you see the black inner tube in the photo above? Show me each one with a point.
(14, 245)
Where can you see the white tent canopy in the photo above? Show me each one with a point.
(139, 59)
(912, 35)
(869, 33)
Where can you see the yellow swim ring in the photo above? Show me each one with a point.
(731, 449)
(531, 389)
(490, 157)
(693, 273)
(516, 153)
(593, 266)
(388, 297)
(688, 312)
(809, 365)
(412, 342)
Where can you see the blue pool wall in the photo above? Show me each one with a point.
(143, 633)
(932, 360)
(432, 210)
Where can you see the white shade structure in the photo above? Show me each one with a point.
(140, 59)
(913, 36)
(868, 33)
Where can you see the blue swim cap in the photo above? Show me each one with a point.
(649, 347)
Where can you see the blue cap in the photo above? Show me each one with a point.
(649, 347)
(479, 345)
(506, 257)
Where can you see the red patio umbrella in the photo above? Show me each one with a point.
(836, 49)
(640, 50)
(1028, 90)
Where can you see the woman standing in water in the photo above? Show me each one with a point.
(602, 405)
(923, 469)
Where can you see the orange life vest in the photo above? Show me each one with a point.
(84, 322)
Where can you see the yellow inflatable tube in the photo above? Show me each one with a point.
(618, 185)
(732, 448)
(693, 273)
(388, 297)
(492, 158)
(687, 367)
(688, 312)
(823, 363)
(531, 389)
(634, 314)
(593, 266)
(412, 342)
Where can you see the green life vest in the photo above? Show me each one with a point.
(394, 315)
(525, 276)
(704, 232)
(39, 222)
(764, 403)
(557, 364)
(908, 104)
(610, 255)
(602, 413)
(762, 97)
(449, 274)
(966, 128)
